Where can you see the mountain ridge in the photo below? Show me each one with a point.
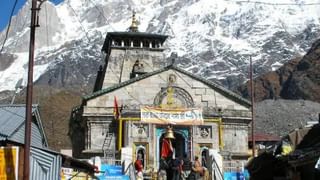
(212, 38)
(297, 79)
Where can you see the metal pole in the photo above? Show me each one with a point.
(252, 108)
(27, 135)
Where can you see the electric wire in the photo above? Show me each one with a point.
(77, 18)
(276, 4)
(17, 39)
(102, 14)
(8, 28)
(47, 30)
(132, 96)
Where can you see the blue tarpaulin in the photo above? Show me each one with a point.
(114, 177)
(233, 176)
(112, 172)
(236, 175)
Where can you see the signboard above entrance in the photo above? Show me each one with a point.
(190, 116)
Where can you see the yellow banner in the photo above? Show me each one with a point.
(69, 173)
(191, 116)
(9, 163)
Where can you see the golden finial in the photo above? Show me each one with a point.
(134, 24)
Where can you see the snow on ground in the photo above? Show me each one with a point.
(19, 70)
(15, 72)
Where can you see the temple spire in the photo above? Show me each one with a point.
(134, 24)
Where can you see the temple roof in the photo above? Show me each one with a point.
(133, 35)
(235, 97)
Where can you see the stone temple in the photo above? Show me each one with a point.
(139, 92)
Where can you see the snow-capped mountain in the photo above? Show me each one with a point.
(214, 38)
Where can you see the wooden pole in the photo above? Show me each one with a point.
(27, 135)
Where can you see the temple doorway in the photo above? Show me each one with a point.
(178, 144)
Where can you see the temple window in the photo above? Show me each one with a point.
(137, 69)
(136, 43)
(126, 43)
(117, 42)
(146, 44)
(157, 44)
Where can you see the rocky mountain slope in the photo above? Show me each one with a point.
(279, 117)
(214, 38)
(297, 79)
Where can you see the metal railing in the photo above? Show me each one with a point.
(130, 171)
(111, 161)
(216, 171)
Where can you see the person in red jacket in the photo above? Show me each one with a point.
(166, 148)
(139, 167)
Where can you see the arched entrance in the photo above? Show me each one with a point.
(181, 143)
(205, 157)
(178, 145)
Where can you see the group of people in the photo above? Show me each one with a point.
(172, 168)
(182, 169)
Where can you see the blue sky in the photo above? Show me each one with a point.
(6, 7)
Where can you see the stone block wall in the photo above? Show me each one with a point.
(121, 61)
(143, 92)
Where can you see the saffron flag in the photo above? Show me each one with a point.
(116, 112)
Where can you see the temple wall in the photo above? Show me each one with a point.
(143, 92)
(121, 61)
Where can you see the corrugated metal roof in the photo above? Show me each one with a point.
(44, 165)
(12, 118)
(36, 137)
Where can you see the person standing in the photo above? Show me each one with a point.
(177, 168)
(186, 167)
(197, 169)
(139, 167)
(166, 158)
